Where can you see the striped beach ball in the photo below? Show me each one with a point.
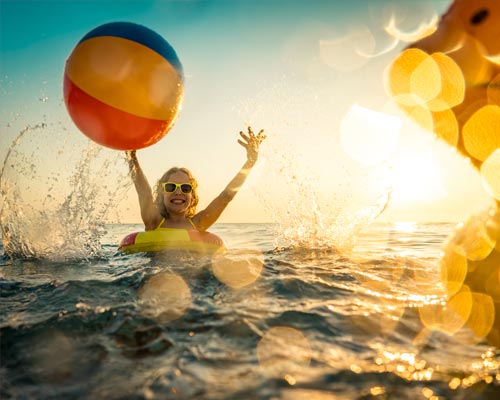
(123, 86)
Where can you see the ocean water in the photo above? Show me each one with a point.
(269, 319)
(323, 304)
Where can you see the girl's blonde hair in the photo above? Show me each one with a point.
(191, 211)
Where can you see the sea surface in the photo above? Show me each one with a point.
(268, 319)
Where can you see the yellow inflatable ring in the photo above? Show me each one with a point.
(171, 239)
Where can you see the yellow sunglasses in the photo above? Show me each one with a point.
(170, 187)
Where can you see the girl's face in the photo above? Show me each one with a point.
(177, 202)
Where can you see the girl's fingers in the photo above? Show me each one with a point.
(244, 136)
(251, 138)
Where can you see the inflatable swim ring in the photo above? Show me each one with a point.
(171, 239)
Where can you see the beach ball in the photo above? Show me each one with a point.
(123, 86)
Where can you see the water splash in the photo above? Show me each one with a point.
(305, 182)
(304, 216)
(55, 213)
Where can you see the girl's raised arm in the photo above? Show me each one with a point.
(206, 218)
(149, 213)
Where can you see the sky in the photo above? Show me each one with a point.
(310, 73)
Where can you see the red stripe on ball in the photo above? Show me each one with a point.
(109, 126)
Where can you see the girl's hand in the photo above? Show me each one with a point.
(131, 158)
(251, 143)
(130, 154)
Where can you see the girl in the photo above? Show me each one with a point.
(174, 203)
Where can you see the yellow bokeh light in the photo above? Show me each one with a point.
(455, 92)
(427, 392)
(481, 133)
(490, 174)
(454, 383)
(452, 89)
(284, 349)
(472, 239)
(482, 315)
(236, 270)
(306, 394)
(417, 79)
(427, 88)
(446, 126)
(453, 267)
(450, 317)
(493, 226)
(377, 390)
(422, 116)
(492, 284)
(165, 297)
(484, 270)
(399, 76)
(425, 80)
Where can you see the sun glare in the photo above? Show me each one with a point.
(415, 178)
(405, 226)
(369, 136)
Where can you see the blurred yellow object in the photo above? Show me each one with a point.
(449, 82)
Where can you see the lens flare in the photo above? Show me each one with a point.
(490, 174)
(472, 239)
(446, 126)
(237, 270)
(448, 317)
(481, 133)
(165, 297)
(433, 81)
(449, 83)
(423, 30)
(345, 53)
(482, 316)
(369, 136)
(284, 350)
(399, 75)
(453, 267)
